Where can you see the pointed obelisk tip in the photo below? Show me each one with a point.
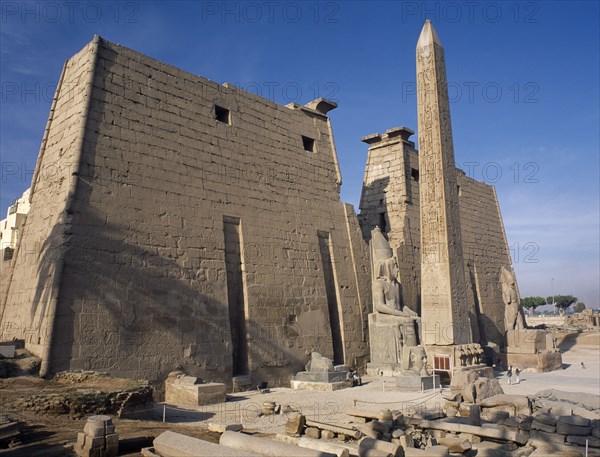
(428, 35)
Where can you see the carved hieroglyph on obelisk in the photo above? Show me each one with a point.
(444, 308)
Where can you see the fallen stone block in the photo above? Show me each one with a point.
(481, 389)
(581, 440)
(383, 427)
(537, 425)
(220, 427)
(576, 420)
(475, 415)
(386, 415)
(366, 430)
(560, 409)
(494, 415)
(333, 427)
(406, 441)
(490, 452)
(287, 439)
(319, 445)
(473, 439)
(484, 432)
(398, 433)
(434, 451)
(171, 444)
(313, 432)
(539, 438)
(546, 452)
(367, 444)
(267, 447)
(545, 418)
(455, 444)
(148, 452)
(327, 435)
(295, 423)
(375, 453)
(569, 429)
(525, 423)
(518, 404)
(356, 412)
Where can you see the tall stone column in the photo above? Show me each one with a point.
(444, 308)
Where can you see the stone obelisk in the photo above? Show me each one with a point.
(444, 308)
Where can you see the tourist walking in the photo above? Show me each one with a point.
(517, 373)
(509, 374)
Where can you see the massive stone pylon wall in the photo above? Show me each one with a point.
(179, 223)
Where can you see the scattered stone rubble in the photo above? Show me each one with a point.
(16, 361)
(585, 319)
(495, 426)
(80, 403)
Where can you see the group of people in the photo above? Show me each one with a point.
(517, 373)
(354, 377)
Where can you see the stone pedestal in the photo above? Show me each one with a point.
(455, 357)
(189, 391)
(321, 374)
(325, 376)
(98, 439)
(388, 335)
(541, 362)
(417, 383)
(319, 386)
(532, 349)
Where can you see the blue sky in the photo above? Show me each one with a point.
(523, 79)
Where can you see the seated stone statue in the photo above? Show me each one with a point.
(386, 288)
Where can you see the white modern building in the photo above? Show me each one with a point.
(9, 227)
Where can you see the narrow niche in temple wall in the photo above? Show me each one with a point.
(235, 294)
(331, 290)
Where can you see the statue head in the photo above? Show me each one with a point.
(506, 276)
(416, 362)
(380, 248)
(386, 269)
(382, 256)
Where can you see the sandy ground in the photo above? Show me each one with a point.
(572, 378)
(380, 393)
(244, 407)
(329, 406)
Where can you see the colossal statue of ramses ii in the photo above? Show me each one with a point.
(513, 314)
(387, 298)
